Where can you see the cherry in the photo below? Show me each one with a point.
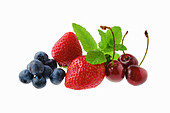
(136, 75)
(115, 73)
(127, 59)
(114, 69)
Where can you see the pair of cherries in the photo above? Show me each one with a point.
(126, 65)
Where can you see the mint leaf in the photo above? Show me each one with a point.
(111, 54)
(120, 47)
(116, 56)
(108, 58)
(95, 57)
(102, 44)
(107, 49)
(106, 42)
(117, 34)
(85, 38)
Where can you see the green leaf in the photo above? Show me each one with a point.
(117, 34)
(120, 47)
(107, 49)
(95, 57)
(116, 56)
(85, 38)
(102, 44)
(111, 54)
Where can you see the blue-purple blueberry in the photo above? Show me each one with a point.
(47, 71)
(39, 82)
(52, 63)
(25, 76)
(41, 56)
(35, 67)
(57, 76)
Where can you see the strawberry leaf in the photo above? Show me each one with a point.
(85, 38)
(95, 57)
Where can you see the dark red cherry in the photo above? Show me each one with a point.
(114, 69)
(136, 75)
(115, 73)
(127, 60)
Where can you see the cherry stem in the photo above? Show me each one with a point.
(104, 28)
(122, 43)
(147, 36)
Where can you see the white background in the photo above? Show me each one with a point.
(29, 26)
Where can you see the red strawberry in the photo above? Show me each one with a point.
(83, 75)
(66, 49)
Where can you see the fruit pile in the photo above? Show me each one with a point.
(86, 71)
(40, 69)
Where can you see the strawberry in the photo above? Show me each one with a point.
(66, 49)
(82, 75)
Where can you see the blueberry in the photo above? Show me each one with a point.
(41, 56)
(25, 76)
(35, 67)
(47, 71)
(52, 63)
(39, 82)
(57, 76)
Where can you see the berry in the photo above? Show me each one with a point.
(115, 73)
(66, 49)
(52, 63)
(39, 82)
(47, 71)
(41, 56)
(35, 67)
(57, 76)
(114, 69)
(82, 75)
(127, 60)
(25, 76)
(136, 75)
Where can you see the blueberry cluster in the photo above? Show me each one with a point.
(40, 69)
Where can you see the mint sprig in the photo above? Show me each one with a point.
(97, 55)
(109, 38)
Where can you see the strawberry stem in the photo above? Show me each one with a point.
(147, 36)
(104, 28)
(122, 43)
